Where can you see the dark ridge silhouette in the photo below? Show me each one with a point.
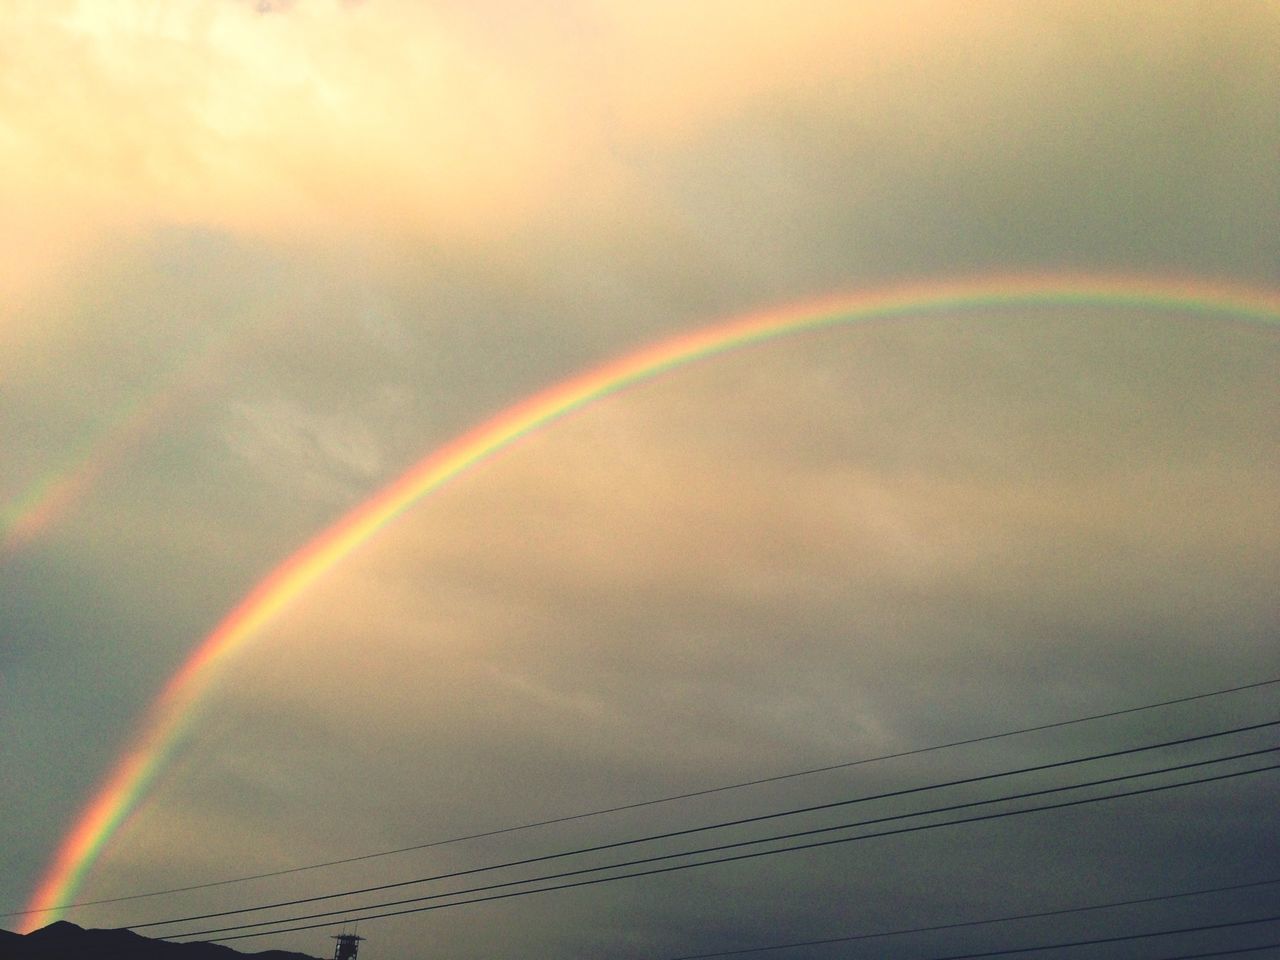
(66, 941)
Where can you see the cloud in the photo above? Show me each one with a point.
(334, 457)
(272, 6)
(661, 571)
(331, 240)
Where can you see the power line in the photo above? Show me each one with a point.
(1223, 953)
(786, 836)
(1118, 938)
(976, 923)
(660, 800)
(716, 826)
(675, 868)
(671, 868)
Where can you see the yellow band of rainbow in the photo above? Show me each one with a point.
(161, 727)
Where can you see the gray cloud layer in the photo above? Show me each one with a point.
(842, 544)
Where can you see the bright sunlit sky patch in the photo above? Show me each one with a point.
(258, 259)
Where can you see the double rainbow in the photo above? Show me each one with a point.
(171, 712)
(30, 515)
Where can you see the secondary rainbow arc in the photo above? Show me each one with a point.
(167, 717)
(30, 514)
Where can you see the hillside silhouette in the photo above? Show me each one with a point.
(66, 941)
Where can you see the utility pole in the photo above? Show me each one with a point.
(347, 947)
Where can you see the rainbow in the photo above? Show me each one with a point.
(52, 497)
(173, 710)
(56, 494)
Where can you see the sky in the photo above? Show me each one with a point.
(262, 259)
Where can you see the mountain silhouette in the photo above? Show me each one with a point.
(66, 941)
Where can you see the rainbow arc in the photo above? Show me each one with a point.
(175, 706)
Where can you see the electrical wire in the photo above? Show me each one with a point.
(934, 928)
(659, 800)
(723, 824)
(1118, 938)
(1223, 953)
(670, 868)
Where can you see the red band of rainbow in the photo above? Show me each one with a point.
(173, 709)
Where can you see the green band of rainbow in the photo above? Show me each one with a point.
(173, 709)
